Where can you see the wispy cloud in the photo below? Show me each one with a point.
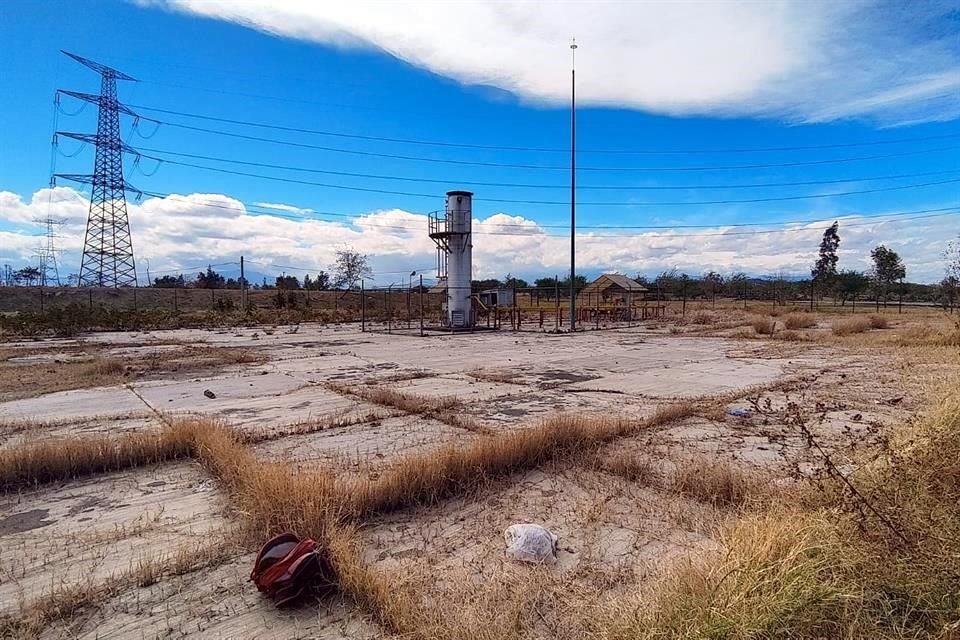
(801, 60)
(283, 207)
(187, 230)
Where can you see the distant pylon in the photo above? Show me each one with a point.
(49, 273)
(107, 247)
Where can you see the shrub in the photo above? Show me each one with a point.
(847, 326)
(878, 322)
(799, 321)
(703, 317)
(764, 326)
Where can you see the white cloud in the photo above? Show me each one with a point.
(797, 59)
(187, 231)
(282, 207)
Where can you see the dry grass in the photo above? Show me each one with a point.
(773, 578)
(494, 375)
(928, 335)
(763, 325)
(849, 326)
(878, 322)
(65, 601)
(639, 469)
(716, 482)
(62, 459)
(408, 402)
(792, 336)
(85, 367)
(703, 317)
(457, 470)
(828, 567)
(799, 321)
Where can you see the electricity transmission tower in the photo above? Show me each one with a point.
(47, 253)
(107, 247)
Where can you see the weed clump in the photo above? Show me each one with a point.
(56, 460)
(849, 326)
(763, 325)
(719, 483)
(799, 321)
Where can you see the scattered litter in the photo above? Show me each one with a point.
(209, 394)
(858, 417)
(739, 412)
(893, 401)
(530, 543)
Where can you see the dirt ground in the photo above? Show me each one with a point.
(300, 398)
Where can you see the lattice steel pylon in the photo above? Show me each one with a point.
(107, 247)
(47, 253)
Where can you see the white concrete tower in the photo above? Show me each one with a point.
(453, 236)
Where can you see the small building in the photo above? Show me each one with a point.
(613, 288)
(497, 297)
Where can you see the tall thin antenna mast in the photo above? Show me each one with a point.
(573, 185)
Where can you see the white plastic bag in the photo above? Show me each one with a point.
(530, 543)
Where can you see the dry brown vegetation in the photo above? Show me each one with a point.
(848, 326)
(62, 459)
(716, 482)
(827, 563)
(703, 317)
(799, 321)
(84, 367)
(881, 565)
(763, 325)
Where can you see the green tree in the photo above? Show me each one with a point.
(288, 282)
(170, 282)
(27, 276)
(320, 283)
(713, 282)
(824, 272)
(209, 279)
(851, 284)
(887, 269)
(509, 281)
(488, 283)
(580, 282)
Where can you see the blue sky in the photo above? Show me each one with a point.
(726, 76)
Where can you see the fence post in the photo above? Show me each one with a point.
(683, 311)
(900, 305)
(134, 298)
(90, 297)
(421, 305)
(176, 307)
(811, 295)
(363, 307)
(41, 298)
(389, 314)
(556, 295)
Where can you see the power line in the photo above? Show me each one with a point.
(433, 196)
(683, 187)
(462, 145)
(864, 220)
(546, 167)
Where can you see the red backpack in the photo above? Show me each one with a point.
(287, 566)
